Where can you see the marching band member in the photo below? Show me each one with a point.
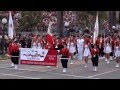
(95, 55)
(39, 44)
(107, 50)
(34, 43)
(80, 43)
(13, 51)
(112, 42)
(100, 43)
(117, 52)
(64, 59)
(72, 49)
(86, 53)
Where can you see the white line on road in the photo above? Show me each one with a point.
(3, 74)
(72, 75)
(103, 73)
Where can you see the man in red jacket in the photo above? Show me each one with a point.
(95, 57)
(13, 51)
(65, 55)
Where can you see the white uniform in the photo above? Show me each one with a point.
(39, 46)
(80, 43)
(34, 45)
(117, 51)
(107, 48)
(86, 51)
(71, 47)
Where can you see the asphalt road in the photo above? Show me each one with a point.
(76, 71)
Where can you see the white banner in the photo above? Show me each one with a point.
(33, 54)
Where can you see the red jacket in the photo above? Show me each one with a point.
(94, 51)
(13, 47)
(65, 51)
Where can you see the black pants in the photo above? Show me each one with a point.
(15, 60)
(101, 51)
(111, 54)
(64, 62)
(95, 60)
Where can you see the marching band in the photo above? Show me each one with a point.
(105, 48)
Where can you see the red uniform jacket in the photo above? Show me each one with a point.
(13, 47)
(65, 51)
(94, 51)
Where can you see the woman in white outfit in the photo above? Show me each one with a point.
(80, 43)
(117, 52)
(107, 50)
(72, 49)
(86, 53)
(39, 44)
(34, 44)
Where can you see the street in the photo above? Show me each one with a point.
(75, 71)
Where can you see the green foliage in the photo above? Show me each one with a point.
(30, 19)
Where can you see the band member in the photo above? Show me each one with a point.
(80, 44)
(13, 51)
(117, 52)
(95, 55)
(34, 43)
(112, 42)
(72, 49)
(39, 44)
(64, 59)
(86, 53)
(107, 50)
(100, 43)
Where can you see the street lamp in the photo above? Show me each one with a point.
(4, 21)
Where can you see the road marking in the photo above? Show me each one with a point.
(103, 73)
(72, 75)
(3, 74)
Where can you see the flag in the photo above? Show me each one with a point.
(96, 30)
(49, 34)
(10, 27)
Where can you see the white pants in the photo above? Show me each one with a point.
(80, 52)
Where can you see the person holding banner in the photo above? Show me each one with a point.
(95, 57)
(13, 51)
(64, 59)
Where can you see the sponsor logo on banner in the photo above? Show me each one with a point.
(38, 56)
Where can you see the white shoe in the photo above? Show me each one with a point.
(117, 65)
(86, 66)
(71, 62)
(12, 65)
(64, 70)
(95, 69)
(108, 62)
(15, 67)
(111, 58)
(48, 67)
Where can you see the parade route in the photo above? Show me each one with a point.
(75, 71)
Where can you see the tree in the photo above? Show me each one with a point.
(30, 20)
(60, 22)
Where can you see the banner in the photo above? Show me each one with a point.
(38, 56)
